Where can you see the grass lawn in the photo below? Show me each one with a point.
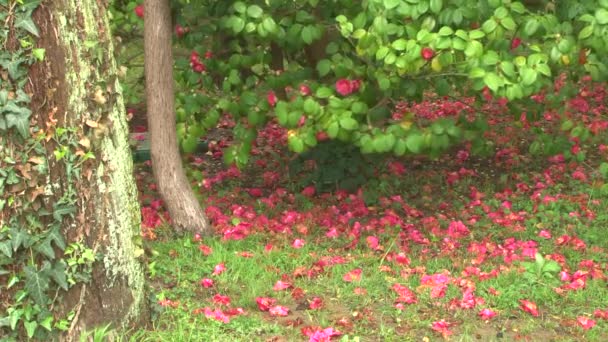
(504, 248)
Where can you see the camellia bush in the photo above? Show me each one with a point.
(347, 70)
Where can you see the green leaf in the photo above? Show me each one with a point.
(255, 11)
(528, 76)
(324, 67)
(586, 32)
(382, 52)
(308, 34)
(240, 7)
(601, 15)
(5, 248)
(508, 23)
(58, 273)
(333, 130)
(436, 6)
(414, 142)
(493, 81)
(567, 125)
(30, 328)
(20, 122)
(399, 44)
(269, 25)
(25, 22)
(474, 49)
(604, 170)
(390, 4)
(60, 210)
(348, 123)
(36, 284)
(38, 54)
(489, 26)
(531, 26)
(476, 34)
(324, 92)
(295, 143)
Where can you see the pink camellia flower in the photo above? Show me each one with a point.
(221, 300)
(279, 311)
(529, 307)
(298, 243)
(304, 90)
(219, 269)
(139, 11)
(281, 285)
(255, 192)
(354, 275)
(372, 242)
(545, 234)
(264, 303)
(515, 43)
(205, 249)
(487, 314)
(315, 303)
(324, 335)
(207, 283)
(442, 327)
(585, 322)
(309, 191)
(216, 314)
(272, 98)
(602, 314)
(344, 87)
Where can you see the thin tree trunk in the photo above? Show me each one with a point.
(184, 208)
(75, 91)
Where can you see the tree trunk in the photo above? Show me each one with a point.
(184, 208)
(77, 110)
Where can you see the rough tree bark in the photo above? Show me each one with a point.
(76, 87)
(184, 208)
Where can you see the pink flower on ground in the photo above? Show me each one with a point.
(442, 327)
(529, 307)
(264, 303)
(315, 303)
(217, 315)
(205, 249)
(279, 311)
(207, 283)
(372, 242)
(281, 285)
(487, 314)
(354, 275)
(298, 243)
(219, 269)
(222, 300)
(324, 335)
(585, 322)
(545, 234)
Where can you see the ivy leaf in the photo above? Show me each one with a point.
(5, 248)
(57, 272)
(44, 247)
(56, 236)
(36, 284)
(19, 237)
(61, 210)
(25, 22)
(20, 121)
(30, 328)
